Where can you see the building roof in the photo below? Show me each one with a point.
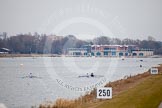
(5, 49)
(113, 45)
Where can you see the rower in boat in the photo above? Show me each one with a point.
(31, 76)
(92, 75)
(87, 75)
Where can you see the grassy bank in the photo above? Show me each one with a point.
(147, 94)
(140, 91)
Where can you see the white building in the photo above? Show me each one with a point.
(142, 53)
(110, 51)
(77, 52)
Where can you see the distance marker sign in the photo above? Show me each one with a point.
(154, 70)
(104, 93)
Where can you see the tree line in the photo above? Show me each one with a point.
(43, 44)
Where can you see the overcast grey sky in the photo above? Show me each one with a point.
(84, 18)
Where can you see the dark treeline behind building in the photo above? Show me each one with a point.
(43, 44)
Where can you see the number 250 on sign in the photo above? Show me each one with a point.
(104, 93)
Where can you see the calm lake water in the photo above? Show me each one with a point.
(58, 77)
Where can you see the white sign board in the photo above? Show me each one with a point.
(104, 93)
(154, 70)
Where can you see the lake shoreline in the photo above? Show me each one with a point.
(89, 100)
(56, 55)
(28, 55)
